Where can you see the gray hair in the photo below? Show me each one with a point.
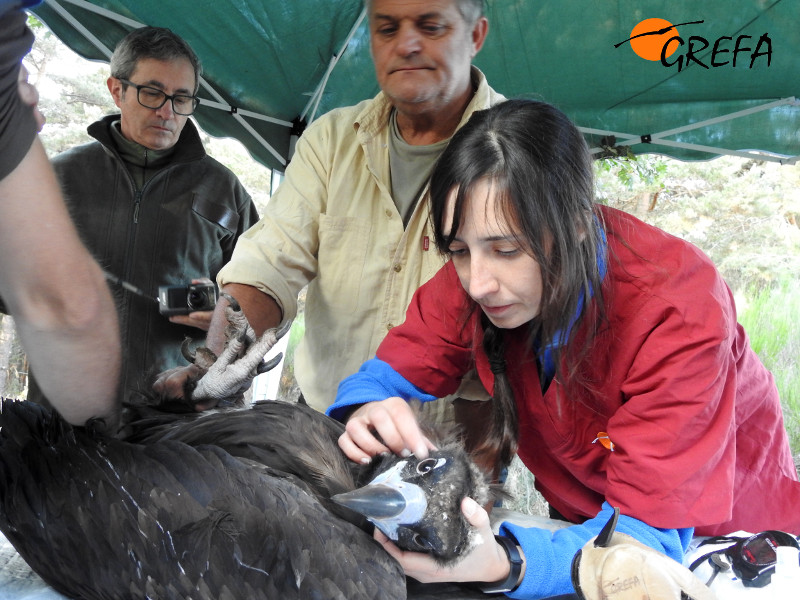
(157, 43)
(471, 10)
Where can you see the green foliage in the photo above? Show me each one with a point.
(37, 26)
(745, 214)
(13, 361)
(288, 385)
(769, 315)
(520, 486)
(633, 171)
(255, 177)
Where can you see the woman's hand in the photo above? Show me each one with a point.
(486, 561)
(386, 426)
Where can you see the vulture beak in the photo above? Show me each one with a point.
(374, 501)
(387, 501)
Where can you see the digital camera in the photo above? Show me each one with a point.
(183, 299)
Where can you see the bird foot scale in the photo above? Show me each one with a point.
(224, 379)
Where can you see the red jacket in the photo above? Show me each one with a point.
(694, 416)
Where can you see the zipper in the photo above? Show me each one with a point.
(139, 192)
(136, 204)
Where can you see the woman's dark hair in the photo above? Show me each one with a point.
(540, 170)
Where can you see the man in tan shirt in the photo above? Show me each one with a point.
(351, 217)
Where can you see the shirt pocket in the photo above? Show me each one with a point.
(216, 213)
(342, 258)
(195, 236)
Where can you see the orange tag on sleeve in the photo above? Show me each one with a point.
(604, 440)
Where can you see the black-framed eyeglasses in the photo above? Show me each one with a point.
(154, 98)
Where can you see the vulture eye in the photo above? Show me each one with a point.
(429, 464)
(421, 542)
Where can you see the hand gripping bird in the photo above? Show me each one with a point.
(253, 503)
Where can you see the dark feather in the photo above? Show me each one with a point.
(110, 519)
(290, 438)
(234, 504)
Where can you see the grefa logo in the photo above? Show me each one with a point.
(658, 40)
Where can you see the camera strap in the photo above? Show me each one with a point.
(128, 286)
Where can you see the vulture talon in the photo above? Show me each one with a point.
(201, 356)
(186, 349)
(227, 376)
(232, 302)
(269, 364)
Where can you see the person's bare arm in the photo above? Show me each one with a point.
(57, 295)
(260, 309)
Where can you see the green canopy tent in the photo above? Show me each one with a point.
(272, 66)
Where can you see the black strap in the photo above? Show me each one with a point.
(510, 583)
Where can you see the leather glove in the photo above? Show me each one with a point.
(615, 566)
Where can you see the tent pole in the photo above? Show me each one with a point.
(81, 29)
(92, 8)
(755, 154)
(791, 101)
(317, 96)
(658, 138)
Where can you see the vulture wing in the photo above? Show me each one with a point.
(102, 518)
(288, 437)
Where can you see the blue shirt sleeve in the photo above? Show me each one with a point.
(549, 554)
(375, 380)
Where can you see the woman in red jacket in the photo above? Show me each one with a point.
(619, 373)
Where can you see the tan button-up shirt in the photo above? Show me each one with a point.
(333, 225)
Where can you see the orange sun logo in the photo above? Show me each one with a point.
(649, 37)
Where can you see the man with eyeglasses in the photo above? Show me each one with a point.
(150, 204)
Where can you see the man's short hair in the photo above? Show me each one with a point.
(157, 43)
(471, 10)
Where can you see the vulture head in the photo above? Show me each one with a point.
(417, 502)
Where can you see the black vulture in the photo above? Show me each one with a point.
(235, 504)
